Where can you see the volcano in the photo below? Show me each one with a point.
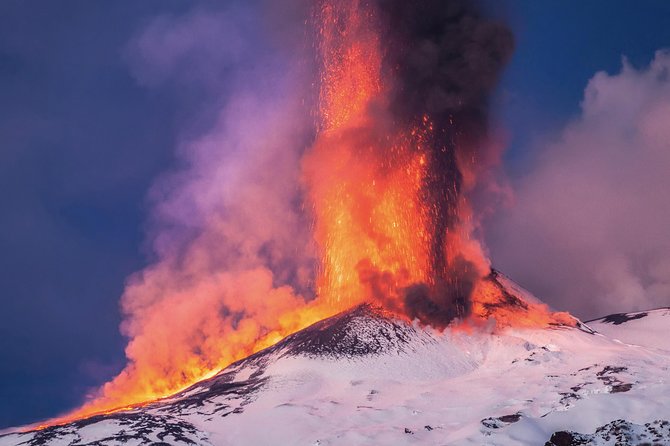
(366, 377)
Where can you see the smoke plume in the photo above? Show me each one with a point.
(234, 258)
(588, 229)
(445, 62)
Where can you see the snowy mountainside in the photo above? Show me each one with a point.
(365, 378)
(645, 328)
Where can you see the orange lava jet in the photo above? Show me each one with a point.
(368, 174)
(369, 221)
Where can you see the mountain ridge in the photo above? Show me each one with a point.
(365, 377)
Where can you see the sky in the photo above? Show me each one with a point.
(91, 119)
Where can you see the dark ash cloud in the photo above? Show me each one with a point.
(444, 59)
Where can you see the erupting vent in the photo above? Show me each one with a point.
(401, 142)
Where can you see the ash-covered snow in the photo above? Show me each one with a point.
(363, 378)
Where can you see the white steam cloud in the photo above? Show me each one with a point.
(589, 227)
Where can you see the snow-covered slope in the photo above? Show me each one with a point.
(362, 377)
(648, 328)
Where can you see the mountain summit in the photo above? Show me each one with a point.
(366, 377)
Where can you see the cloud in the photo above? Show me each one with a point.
(197, 47)
(588, 230)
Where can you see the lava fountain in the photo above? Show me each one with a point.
(402, 132)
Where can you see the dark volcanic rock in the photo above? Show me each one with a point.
(609, 377)
(619, 432)
(365, 330)
(620, 318)
(138, 428)
(497, 423)
(564, 438)
(508, 299)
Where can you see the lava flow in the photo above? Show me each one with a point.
(401, 141)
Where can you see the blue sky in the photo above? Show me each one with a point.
(560, 46)
(81, 142)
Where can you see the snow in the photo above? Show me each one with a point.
(387, 382)
(648, 329)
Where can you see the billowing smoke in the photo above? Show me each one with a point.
(588, 229)
(234, 257)
(444, 60)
